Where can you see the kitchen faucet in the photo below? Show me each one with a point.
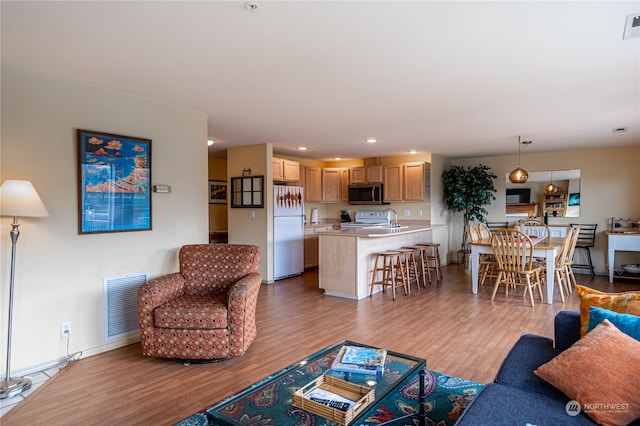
(395, 223)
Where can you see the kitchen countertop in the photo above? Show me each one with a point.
(376, 232)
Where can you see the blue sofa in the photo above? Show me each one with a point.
(518, 396)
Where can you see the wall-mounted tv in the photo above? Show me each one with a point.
(518, 195)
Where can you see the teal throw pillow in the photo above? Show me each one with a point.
(628, 324)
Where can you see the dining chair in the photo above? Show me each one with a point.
(494, 226)
(560, 271)
(488, 267)
(586, 240)
(534, 228)
(513, 250)
(568, 263)
(483, 229)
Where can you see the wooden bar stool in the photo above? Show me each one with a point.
(390, 264)
(410, 267)
(433, 255)
(420, 255)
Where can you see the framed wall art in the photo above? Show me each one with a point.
(217, 192)
(114, 188)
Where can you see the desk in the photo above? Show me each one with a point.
(621, 241)
(546, 248)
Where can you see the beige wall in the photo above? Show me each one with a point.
(243, 229)
(59, 274)
(608, 184)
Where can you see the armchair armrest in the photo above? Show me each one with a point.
(242, 300)
(566, 329)
(154, 293)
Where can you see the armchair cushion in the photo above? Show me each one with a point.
(192, 312)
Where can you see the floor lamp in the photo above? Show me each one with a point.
(17, 198)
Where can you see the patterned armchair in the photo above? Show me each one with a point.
(207, 310)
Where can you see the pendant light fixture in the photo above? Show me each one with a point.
(519, 175)
(551, 188)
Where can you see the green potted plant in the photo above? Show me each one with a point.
(466, 190)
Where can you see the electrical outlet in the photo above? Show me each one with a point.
(407, 213)
(65, 329)
(419, 213)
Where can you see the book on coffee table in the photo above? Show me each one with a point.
(360, 360)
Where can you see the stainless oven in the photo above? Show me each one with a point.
(366, 193)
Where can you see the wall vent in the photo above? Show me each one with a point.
(121, 305)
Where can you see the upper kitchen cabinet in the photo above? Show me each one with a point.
(331, 185)
(393, 183)
(415, 182)
(313, 184)
(405, 182)
(285, 170)
(368, 174)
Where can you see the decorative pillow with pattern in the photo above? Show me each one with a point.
(623, 303)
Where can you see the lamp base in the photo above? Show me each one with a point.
(13, 386)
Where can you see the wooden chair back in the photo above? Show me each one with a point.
(513, 250)
(474, 234)
(485, 232)
(534, 229)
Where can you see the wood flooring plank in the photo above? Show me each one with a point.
(459, 333)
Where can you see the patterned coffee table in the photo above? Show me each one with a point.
(269, 401)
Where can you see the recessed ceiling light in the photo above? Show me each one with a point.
(210, 142)
(302, 148)
(371, 140)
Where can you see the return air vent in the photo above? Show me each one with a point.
(121, 305)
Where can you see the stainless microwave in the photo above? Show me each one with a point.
(366, 193)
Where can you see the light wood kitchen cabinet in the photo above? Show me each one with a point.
(285, 170)
(368, 174)
(357, 175)
(414, 182)
(344, 185)
(311, 244)
(310, 248)
(313, 184)
(331, 186)
(393, 183)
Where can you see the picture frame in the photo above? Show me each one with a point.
(247, 192)
(114, 182)
(217, 192)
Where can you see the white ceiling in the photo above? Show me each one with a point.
(453, 78)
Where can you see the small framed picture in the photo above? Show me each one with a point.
(217, 192)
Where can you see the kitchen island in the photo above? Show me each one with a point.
(346, 256)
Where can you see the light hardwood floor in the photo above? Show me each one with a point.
(459, 333)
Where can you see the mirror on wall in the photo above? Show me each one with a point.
(533, 198)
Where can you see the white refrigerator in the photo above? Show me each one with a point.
(288, 231)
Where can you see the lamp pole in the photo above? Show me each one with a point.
(12, 386)
(19, 199)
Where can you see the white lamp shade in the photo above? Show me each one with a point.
(20, 198)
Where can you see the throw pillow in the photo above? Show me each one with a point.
(624, 303)
(628, 324)
(600, 372)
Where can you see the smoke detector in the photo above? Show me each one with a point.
(251, 5)
(632, 27)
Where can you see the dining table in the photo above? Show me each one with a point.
(546, 248)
